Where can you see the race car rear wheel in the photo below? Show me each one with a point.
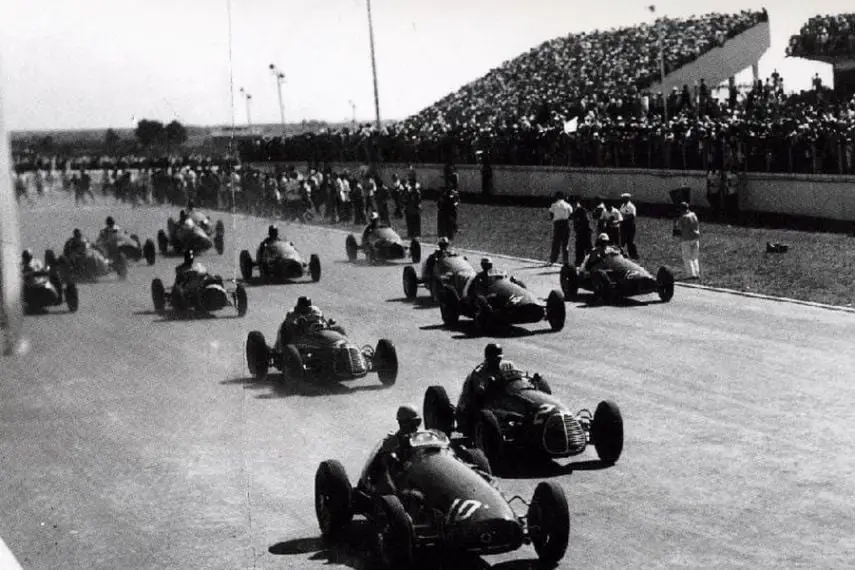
(665, 284)
(411, 282)
(257, 355)
(437, 409)
(569, 281)
(120, 264)
(607, 432)
(158, 295)
(488, 437)
(449, 306)
(333, 496)
(395, 534)
(219, 237)
(415, 251)
(149, 252)
(549, 522)
(246, 264)
(315, 267)
(162, 242)
(241, 300)
(72, 297)
(292, 363)
(386, 362)
(351, 247)
(556, 312)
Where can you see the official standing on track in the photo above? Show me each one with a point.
(582, 229)
(690, 240)
(627, 233)
(560, 211)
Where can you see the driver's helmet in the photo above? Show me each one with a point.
(110, 222)
(26, 256)
(77, 234)
(603, 239)
(304, 305)
(493, 355)
(409, 419)
(443, 243)
(486, 264)
(273, 232)
(189, 256)
(374, 217)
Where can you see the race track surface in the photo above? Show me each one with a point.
(130, 441)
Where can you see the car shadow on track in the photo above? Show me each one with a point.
(419, 303)
(589, 301)
(524, 467)
(281, 387)
(467, 329)
(355, 551)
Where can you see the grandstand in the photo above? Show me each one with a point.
(831, 40)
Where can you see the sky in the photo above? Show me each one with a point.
(68, 64)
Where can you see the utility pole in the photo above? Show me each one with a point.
(373, 65)
(280, 77)
(248, 97)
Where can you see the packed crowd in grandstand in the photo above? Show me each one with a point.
(522, 111)
(825, 36)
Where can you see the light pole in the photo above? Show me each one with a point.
(248, 97)
(373, 64)
(353, 113)
(280, 78)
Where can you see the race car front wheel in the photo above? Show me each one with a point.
(437, 409)
(549, 522)
(556, 312)
(158, 295)
(395, 534)
(607, 432)
(72, 298)
(386, 362)
(333, 498)
(315, 267)
(257, 355)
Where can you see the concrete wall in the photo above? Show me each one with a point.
(721, 63)
(820, 196)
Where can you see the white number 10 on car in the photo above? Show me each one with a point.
(463, 509)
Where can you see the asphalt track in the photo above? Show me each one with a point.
(130, 441)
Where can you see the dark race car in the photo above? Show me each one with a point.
(383, 244)
(451, 270)
(518, 414)
(210, 295)
(87, 264)
(614, 276)
(321, 350)
(199, 236)
(43, 289)
(279, 261)
(499, 302)
(447, 502)
(129, 245)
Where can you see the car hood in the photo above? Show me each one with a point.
(324, 338)
(521, 398)
(622, 265)
(504, 292)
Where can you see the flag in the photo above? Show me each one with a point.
(572, 125)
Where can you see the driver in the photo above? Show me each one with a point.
(110, 231)
(602, 248)
(304, 309)
(487, 374)
(443, 250)
(76, 245)
(482, 280)
(190, 274)
(30, 264)
(395, 449)
(185, 220)
(374, 221)
(272, 237)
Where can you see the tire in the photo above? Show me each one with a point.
(257, 355)
(246, 265)
(292, 363)
(158, 296)
(437, 410)
(162, 242)
(315, 267)
(556, 312)
(569, 281)
(395, 535)
(120, 264)
(220, 237)
(415, 251)
(665, 284)
(333, 498)
(487, 436)
(449, 306)
(241, 300)
(386, 362)
(411, 283)
(50, 258)
(477, 458)
(435, 290)
(549, 522)
(72, 297)
(351, 247)
(607, 432)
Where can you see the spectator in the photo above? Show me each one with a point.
(612, 222)
(714, 189)
(690, 236)
(414, 210)
(560, 212)
(446, 216)
(628, 214)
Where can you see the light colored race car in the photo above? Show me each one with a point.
(43, 289)
(129, 245)
(198, 235)
(279, 261)
(87, 264)
(452, 270)
(208, 295)
(383, 244)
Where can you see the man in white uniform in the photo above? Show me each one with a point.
(560, 211)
